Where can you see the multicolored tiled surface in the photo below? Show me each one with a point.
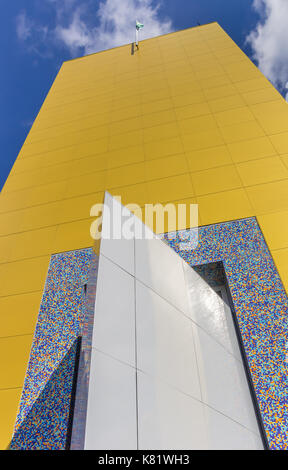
(81, 398)
(43, 416)
(261, 307)
(46, 423)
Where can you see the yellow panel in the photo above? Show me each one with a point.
(275, 229)
(280, 142)
(182, 86)
(192, 97)
(192, 110)
(155, 106)
(269, 197)
(91, 134)
(69, 169)
(163, 167)
(32, 243)
(221, 92)
(190, 220)
(30, 219)
(245, 70)
(125, 156)
(169, 189)
(251, 149)
(232, 58)
(124, 140)
(266, 110)
(197, 124)
(216, 44)
(215, 180)
(212, 69)
(202, 140)
(242, 131)
(125, 113)
(225, 206)
(9, 400)
(228, 102)
(43, 146)
(208, 158)
(127, 125)
(212, 82)
(163, 148)
(65, 140)
(32, 196)
(227, 51)
(125, 175)
(281, 260)
(94, 147)
(6, 244)
(160, 117)
(8, 223)
(136, 194)
(23, 276)
(78, 207)
(154, 95)
(14, 355)
(52, 173)
(86, 184)
(180, 222)
(262, 171)
(68, 155)
(284, 159)
(260, 96)
(18, 313)
(165, 131)
(272, 116)
(234, 116)
(73, 236)
(25, 180)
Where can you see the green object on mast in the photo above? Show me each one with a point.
(139, 25)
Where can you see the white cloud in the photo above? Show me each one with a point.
(82, 28)
(34, 36)
(269, 40)
(76, 36)
(286, 95)
(116, 25)
(23, 26)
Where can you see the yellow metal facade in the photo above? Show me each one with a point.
(186, 118)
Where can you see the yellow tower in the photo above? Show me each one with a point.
(186, 118)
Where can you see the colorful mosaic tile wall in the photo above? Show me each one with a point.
(82, 389)
(43, 417)
(261, 306)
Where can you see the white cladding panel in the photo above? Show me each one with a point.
(166, 369)
(111, 418)
(114, 323)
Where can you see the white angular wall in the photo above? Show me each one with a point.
(166, 372)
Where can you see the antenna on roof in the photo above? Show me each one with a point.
(138, 26)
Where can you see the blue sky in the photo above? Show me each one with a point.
(37, 36)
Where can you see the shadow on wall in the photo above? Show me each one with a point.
(48, 424)
(213, 274)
